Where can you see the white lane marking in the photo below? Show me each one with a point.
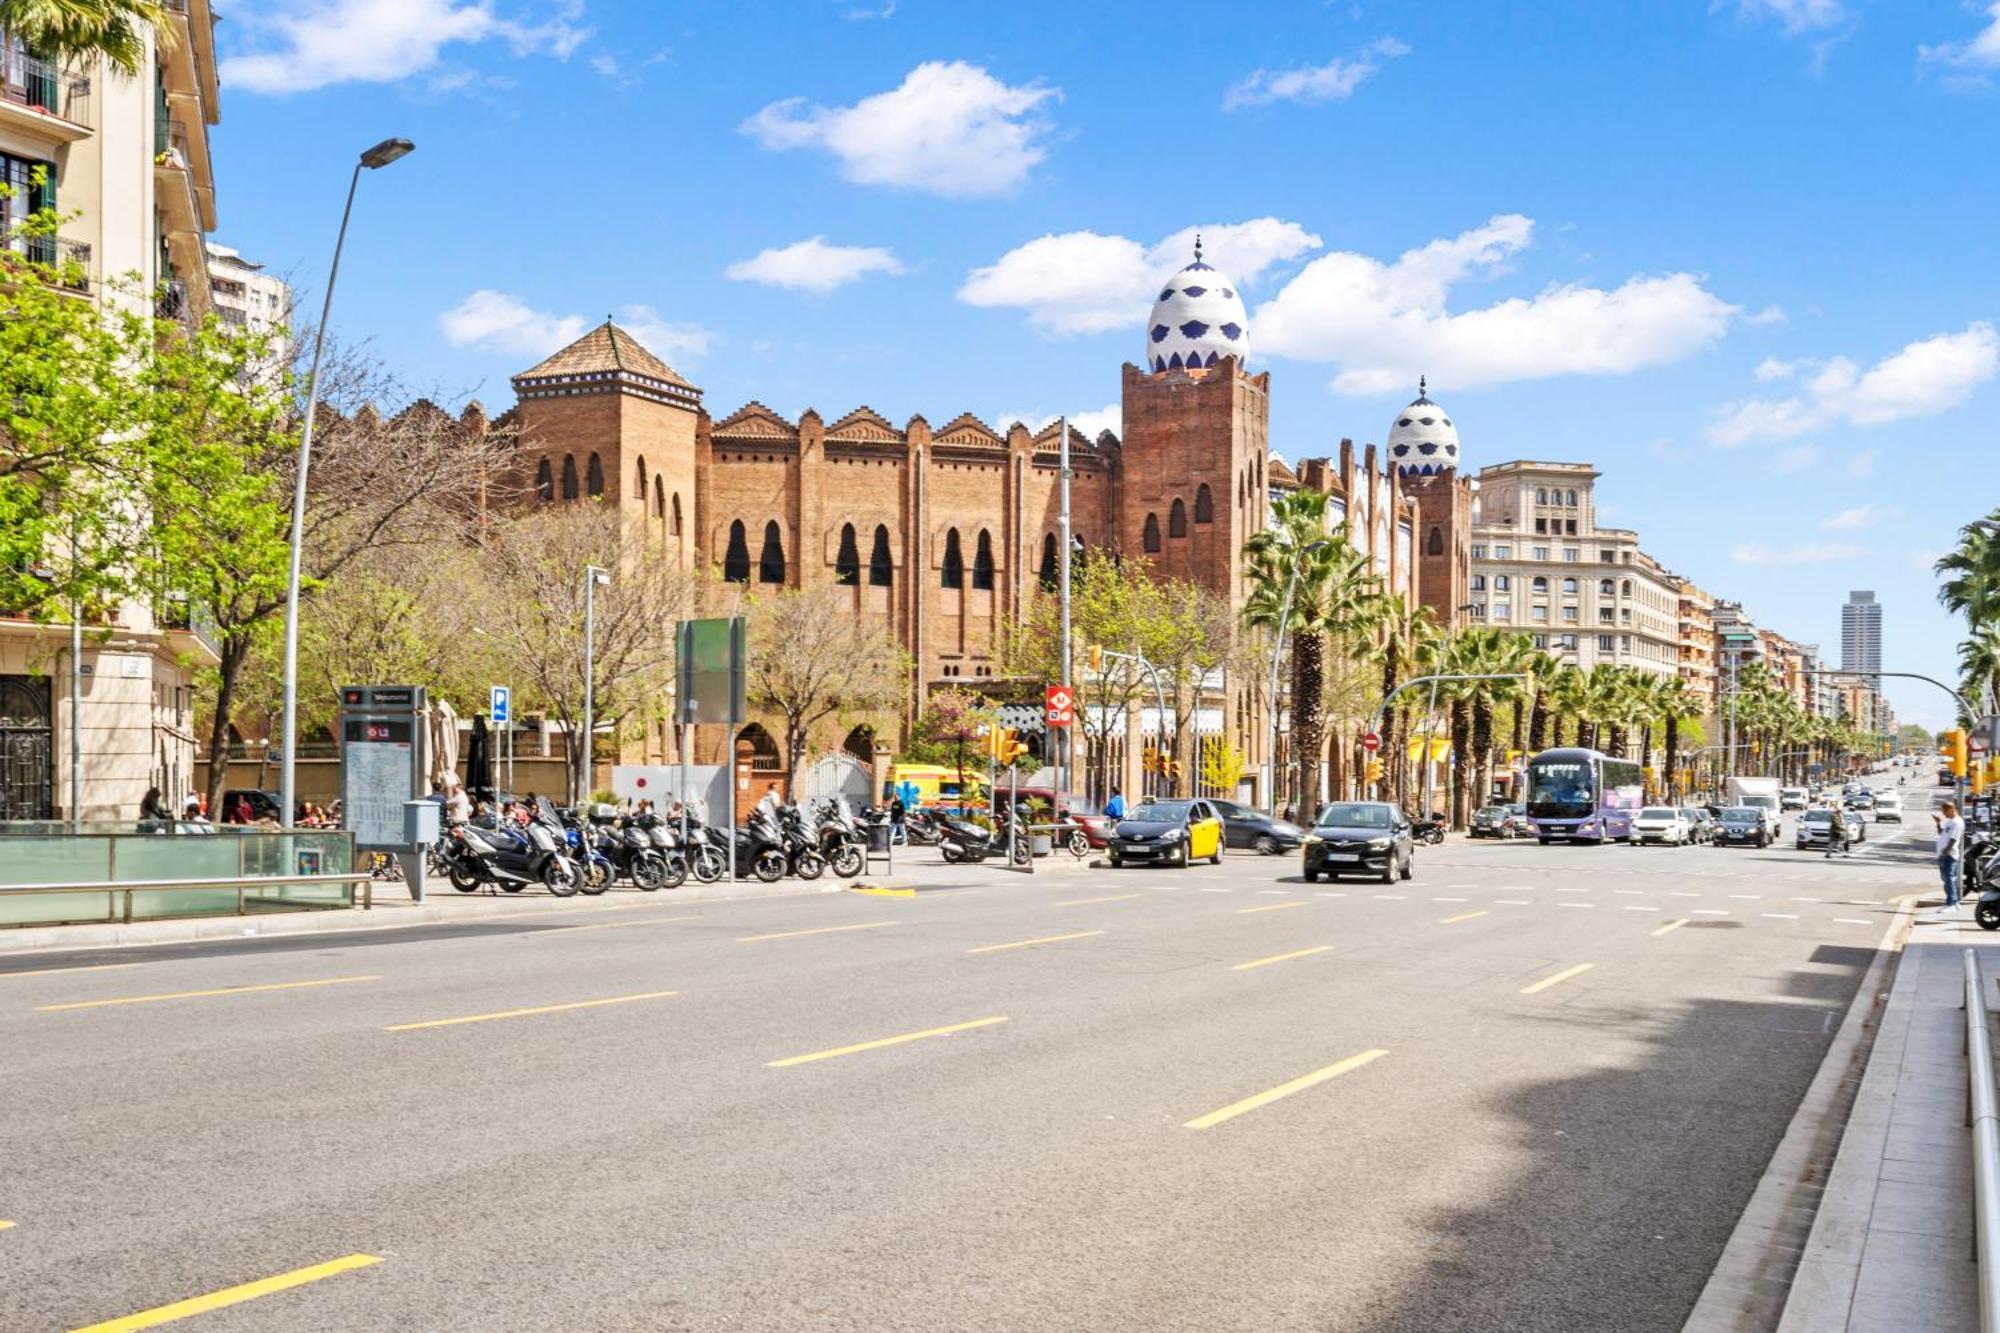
(1747, 897)
(1561, 889)
(1461, 886)
(1682, 893)
(1392, 897)
(1447, 900)
(1583, 905)
(1781, 916)
(1514, 902)
(1278, 891)
(1635, 907)
(1635, 893)
(1710, 911)
(1215, 890)
(1852, 921)
(1805, 900)
(1329, 895)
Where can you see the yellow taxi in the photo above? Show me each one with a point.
(1177, 832)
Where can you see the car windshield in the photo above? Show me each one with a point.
(1656, 812)
(1161, 812)
(1491, 811)
(1354, 815)
(1740, 814)
(1561, 789)
(1819, 816)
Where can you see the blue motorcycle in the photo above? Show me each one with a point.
(598, 872)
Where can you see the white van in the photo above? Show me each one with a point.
(1889, 805)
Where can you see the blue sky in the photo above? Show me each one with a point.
(1740, 255)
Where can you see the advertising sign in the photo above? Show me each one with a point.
(381, 761)
(710, 671)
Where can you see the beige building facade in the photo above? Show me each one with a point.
(125, 160)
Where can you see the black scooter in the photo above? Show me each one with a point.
(514, 858)
(1980, 874)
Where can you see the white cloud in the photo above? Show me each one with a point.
(1981, 53)
(1923, 379)
(1090, 425)
(499, 322)
(1334, 81)
(1795, 459)
(864, 13)
(1857, 518)
(948, 129)
(1810, 553)
(1383, 323)
(311, 44)
(1797, 16)
(1771, 368)
(1087, 282)
(814, 266)
(1769, 316)
(1862, 464)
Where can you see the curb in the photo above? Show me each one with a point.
(434, 911)
(1755, 1277)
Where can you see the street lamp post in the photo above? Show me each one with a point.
(593, 579)
(381, 155)
(1277, 657)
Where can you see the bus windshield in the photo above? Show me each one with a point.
(1561, 789)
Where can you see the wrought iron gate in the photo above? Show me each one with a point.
(839, 775)
(27, 776)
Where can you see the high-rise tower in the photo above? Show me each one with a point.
(1861, 634)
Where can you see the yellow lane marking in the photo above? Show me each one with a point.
(615, 925)
(1462, 916)
(53, 971)
(216, 1300)
(5, 1225)
(823, 930)
(879, 1043)
(1270, 907)
(198, 994)
(1281, 957)
(1114, 898)
(874, 891)
(1675, 924)
(1563, 975)
(1234, 1109)
(1046, 939)
(523, 1013)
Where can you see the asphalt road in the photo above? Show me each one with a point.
(1530, 1089)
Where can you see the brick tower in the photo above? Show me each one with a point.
(1193, 456)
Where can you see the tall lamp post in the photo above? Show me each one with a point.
(381, 155)
(593, 579)
(1277, 656)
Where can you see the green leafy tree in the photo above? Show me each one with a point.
(950, 727)
(812, 657)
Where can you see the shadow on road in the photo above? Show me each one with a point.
(1634, 1177)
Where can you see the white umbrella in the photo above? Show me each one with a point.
(444, 744)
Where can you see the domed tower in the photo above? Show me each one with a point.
(1192, 458)
(1423, 442)
(1423, 448)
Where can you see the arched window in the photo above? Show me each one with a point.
(1501, 583)
(952, 573)
(1204, 504)
(755, 747)
(1542, 495)
(1151, 540)
(1050, 573)
(642, 482)
(736, 561)
(1435, 546)
(1540, 584)
(771, 560)
(847, 565)
(569, 477)
(1605, 587)
(594, 476)
(1627, 589)
(1177, 519)
(676, 528)
(1572, 499)
(659, 497)
(545, 481)
(1569, 587)
(982, 563)
(1478, 583)
(881, 570)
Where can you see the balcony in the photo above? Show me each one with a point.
(39, 98)
(174, 190)
(189, 67)
(67, 263)
(178, 616)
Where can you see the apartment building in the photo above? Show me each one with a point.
(1694, 614)
(1542, 565)
(251, 299)
(125, 159)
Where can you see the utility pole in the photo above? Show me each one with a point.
(592, 578)
(1067, 746)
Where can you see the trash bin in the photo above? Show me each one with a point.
(878, 839)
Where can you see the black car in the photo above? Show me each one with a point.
(1498, 821)
(1168, 832)
(1244, 827)
(1744, 824)
(1359, 838)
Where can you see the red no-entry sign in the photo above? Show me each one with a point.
(1371, 742)
(1058, 706)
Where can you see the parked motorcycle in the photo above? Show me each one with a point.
(962, 841)
(645, 853)
(841, 840)
(802, 854)
(1980, 874)
(512, 858)
(580, 838)
(1430, 830)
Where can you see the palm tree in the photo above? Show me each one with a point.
(1542, 669)
(1569, 696)
(1979, 663)
(1403, 634)
(1972, 570)
(1675, 702)
(75, 30)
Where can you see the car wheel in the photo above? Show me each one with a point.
(1187, 852)
(1216, 859)
(1406, 867)
(1265, 844)
(1389, 871)
(1111, 860)
(1543, 841)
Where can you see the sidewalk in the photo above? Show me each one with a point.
(1891, 1246)
(917, 870)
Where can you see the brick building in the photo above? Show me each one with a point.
(948, 531)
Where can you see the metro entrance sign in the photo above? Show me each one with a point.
(1371, 742)
(1059, 706)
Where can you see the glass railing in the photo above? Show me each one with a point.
(243, 861)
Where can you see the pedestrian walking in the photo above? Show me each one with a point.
(1950, 843)
(1114, 809)
(1836, 834)
(899, 814)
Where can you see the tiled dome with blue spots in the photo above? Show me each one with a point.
(1423, 442)
(1197, 320)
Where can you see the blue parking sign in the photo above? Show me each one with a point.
(501, 703)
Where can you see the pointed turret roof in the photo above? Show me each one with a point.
(606, 348)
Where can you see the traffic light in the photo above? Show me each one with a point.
(1094, 653)
(1012, 747)
(1375, 770)
(1952, 746)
